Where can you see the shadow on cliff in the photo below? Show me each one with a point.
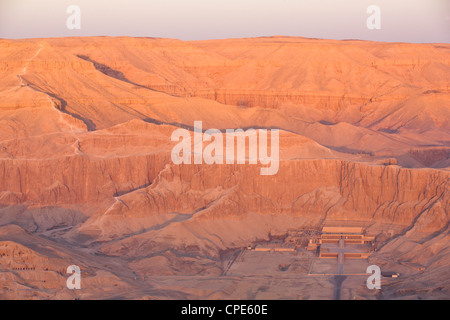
(62, 106)
(118, 75)
(43, 221)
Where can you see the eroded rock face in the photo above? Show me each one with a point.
(85, 154)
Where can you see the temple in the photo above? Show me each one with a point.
(332, 240)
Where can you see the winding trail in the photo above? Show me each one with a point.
(61, 116)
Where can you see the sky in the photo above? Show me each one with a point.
(418, 21)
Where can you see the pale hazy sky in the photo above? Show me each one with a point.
(401, 20)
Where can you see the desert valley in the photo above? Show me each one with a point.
(87, 179)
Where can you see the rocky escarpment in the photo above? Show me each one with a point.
(319, 190)
(75, 179)
(86, 174)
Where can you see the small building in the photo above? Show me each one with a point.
(312, 245)
(390, 274)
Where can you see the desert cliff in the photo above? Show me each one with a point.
(86, 175)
